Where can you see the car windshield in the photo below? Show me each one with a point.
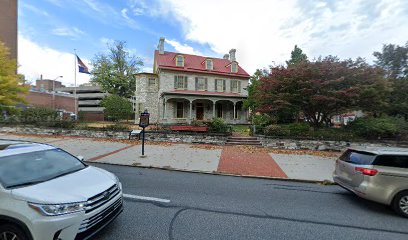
(358, 157)
(34, 167)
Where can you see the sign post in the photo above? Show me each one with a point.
(143, 123)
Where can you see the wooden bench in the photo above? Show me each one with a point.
(134, 133)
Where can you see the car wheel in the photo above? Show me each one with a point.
(400, 203)
(11, 232)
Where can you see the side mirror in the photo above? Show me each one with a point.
(80, 158)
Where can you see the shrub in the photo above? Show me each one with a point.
(38, 115)
(298, 129)
(218, 125)
(262, 120)
(275, 130)
(117, 108)
(384, 127)
(67, 124)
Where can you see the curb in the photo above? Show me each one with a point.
(324, 182)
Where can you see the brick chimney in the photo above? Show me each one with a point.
(232, 55)
(160, 47)
(226, 56)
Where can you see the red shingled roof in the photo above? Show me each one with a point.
(194, 63)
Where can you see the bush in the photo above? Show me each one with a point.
(67, 124)
(38, 115)
(117, 108)
(377, 128)
(275, 130)
(298, 129)
(262, 120)
(218, 125)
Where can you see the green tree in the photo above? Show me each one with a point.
(12, 88)
(394, 60)
(117, 107)
(250, 102)
(296, 56)
(115, 70)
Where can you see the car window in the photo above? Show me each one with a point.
(358, 157)
(26, 168)
(392, 161)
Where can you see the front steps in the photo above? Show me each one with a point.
(251, 141)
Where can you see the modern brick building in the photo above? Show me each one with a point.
(185, 87)
(8, 25)
(57, 101)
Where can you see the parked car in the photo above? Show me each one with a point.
(377, 174)
(46, 193)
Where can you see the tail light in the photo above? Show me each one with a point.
(367, 171)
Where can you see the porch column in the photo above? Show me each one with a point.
(213, 110)
(191, 111)
(235, 117)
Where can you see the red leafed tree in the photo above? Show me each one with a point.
(321, 89)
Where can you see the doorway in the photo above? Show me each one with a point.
(199, 111)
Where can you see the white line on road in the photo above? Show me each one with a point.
(152, 199)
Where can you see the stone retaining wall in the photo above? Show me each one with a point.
(207, 138)
(323, 145)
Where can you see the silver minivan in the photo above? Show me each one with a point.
(377, 174)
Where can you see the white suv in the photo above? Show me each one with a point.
(46, 193)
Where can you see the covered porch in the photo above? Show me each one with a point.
(178, 109)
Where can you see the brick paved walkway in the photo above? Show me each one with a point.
(235, 161)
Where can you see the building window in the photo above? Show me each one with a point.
(180, 61)
(219, 85)
(209, 64)
(180, 110)
(180, 82)
(152, 82)
(234, 67)
(201, 84)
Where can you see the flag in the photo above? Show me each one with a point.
(82, 67)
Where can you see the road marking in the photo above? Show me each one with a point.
(110, 153)
(152, 199)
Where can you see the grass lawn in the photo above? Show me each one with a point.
(241, 129)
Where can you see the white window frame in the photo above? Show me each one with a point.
(234, 67)
(201, 83)
(219, 82)
(149, 82)
(209, 66)
(234, 86)
(178, 62)
(180, 82)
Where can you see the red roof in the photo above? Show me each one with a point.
(191, 92)
(194, 63)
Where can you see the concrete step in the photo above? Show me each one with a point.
(242, 140)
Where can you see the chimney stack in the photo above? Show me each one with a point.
(226, 56)
(232, 55)
(160, 47)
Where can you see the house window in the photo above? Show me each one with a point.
(201, 84)
(209, 64)
(234, 86)
(180, 82)
(180, 110)
(152, 82)
(219, 85)
(234, 67)
(180, 61)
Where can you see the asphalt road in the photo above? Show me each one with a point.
(220, 207)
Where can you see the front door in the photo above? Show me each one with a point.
(199, 111)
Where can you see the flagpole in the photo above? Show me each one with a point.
(75, 85)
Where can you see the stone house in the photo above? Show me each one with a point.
(184, 88)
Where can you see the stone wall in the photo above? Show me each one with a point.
(323, 145)
(175, 137)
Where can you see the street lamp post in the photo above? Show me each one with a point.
(53, 91)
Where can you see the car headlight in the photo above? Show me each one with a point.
(57, 209)
(118, 183)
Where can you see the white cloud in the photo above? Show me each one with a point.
(72, 32)
(182, 48)
(264, 31)
(35, 60)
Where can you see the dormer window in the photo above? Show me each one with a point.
(234, 67)
(179, 61)
(209, 64)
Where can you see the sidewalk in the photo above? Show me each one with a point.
(236, 160)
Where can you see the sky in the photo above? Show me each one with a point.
(264, 32)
